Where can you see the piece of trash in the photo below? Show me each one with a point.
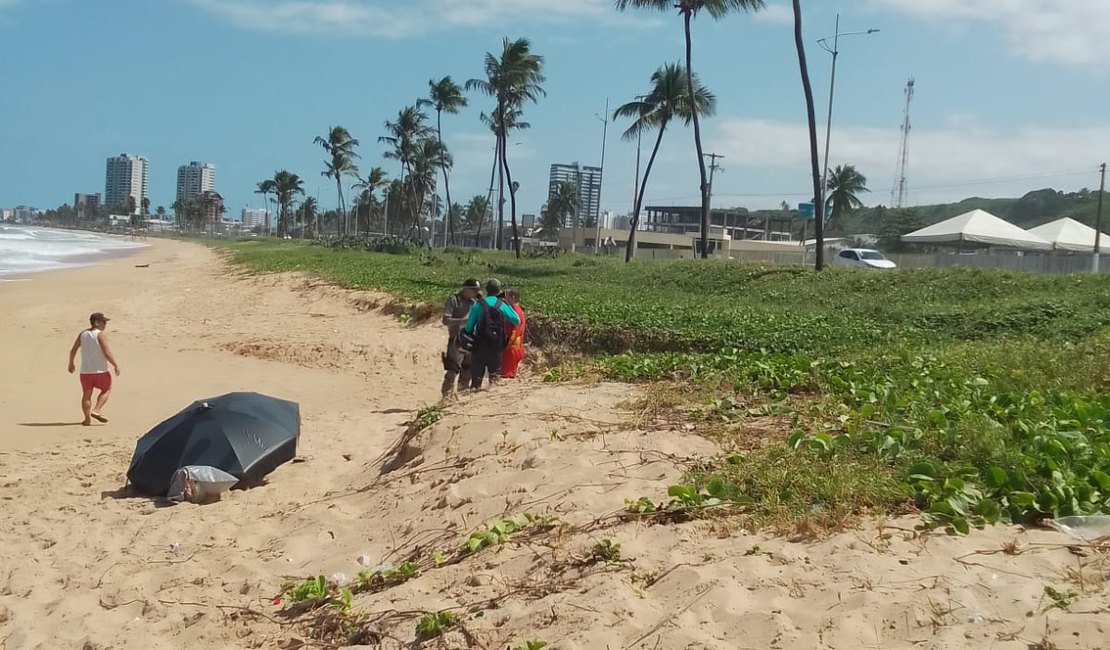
(975, 618)
(364, 561)
(340, 579)
(174, 547)
(199, 484)
(1087, 528)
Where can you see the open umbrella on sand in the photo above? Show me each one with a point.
(246, 435)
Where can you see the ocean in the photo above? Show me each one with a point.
(29, 250)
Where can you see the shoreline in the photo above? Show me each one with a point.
(77, 262)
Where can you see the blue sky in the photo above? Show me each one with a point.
(1010, 93)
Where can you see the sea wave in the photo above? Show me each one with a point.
(25, 250)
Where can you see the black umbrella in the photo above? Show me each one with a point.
(246, 435)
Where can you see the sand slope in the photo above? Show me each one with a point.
(82, 568)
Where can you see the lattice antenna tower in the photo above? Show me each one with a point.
(898, 193)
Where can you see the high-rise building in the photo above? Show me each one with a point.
(86, 204)
(255, 218)
(195, 179)
(126, 176)
(588, 180)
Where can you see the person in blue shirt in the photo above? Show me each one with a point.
(488, 325)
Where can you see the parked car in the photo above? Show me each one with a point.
(864, 258)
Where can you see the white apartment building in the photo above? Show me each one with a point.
(254, 217)
(126, 175)
(588, 180)
(195, 179)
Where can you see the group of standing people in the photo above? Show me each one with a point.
(485, 335)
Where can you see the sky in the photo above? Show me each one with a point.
(1009, 94)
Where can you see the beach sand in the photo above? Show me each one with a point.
(83, 566)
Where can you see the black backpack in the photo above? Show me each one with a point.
(492, 330)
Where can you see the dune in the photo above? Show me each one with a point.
(85, 565)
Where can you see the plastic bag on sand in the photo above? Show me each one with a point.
(199, 484)
(1089, 529)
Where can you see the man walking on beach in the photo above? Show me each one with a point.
(95, 358)
(488, 328)
(456, 362)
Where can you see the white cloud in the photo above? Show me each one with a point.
(402, 19)
(959, 160)
(1072, 32)
(776, 13)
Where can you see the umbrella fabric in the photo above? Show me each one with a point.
(246, 435)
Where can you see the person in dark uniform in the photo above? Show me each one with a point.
(456, 362)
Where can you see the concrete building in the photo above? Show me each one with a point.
(588, 180)
(195, 179)
(126, 175)
(212, 207)
(738, 223)
(24, 214)
(86, 205)
(7, 214)
(254, 218)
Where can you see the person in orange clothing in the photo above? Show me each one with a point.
(514, 351)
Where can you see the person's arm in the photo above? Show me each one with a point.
(107, 352)
(73, 353)
(448, 309)
(510, 314)
(475, 315)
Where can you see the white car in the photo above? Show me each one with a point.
(864, 258)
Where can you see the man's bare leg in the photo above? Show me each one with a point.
(101, 400)
(86, 406)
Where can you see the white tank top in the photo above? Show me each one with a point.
(92, 356)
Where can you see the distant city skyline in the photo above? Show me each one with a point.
(193, 180)
(1005, 102)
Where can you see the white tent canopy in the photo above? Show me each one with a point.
(1067, 234)
(978, 227)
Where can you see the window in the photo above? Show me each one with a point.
(871, 255)
(848, 255)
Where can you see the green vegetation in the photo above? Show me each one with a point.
(971, 396)
(433, 625)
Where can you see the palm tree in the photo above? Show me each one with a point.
(404, 135)
(688, 9)
(511, 80)
(428, 156)
(145, 204)
(340, 147)
(512, 123)
(814, 161)
(476, 211)
(845, 186)
(309, 212)
(561, 205)
(161, 212)
(669, 98)
(446, 96)
(366, 187)
(285, 185)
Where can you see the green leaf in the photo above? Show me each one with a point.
(1021, 499)
(716, 488)
(1102, 479)
(923, 472)
(960, 525)
(996, 477)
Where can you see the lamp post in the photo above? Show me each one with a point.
(835, 52)
(601, 180)
(1098, 218)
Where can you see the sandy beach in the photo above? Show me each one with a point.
(83, 566)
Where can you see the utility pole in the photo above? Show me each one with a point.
(713, 167)
(601, 180)
(1098, 217)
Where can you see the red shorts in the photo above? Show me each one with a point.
(101, 381)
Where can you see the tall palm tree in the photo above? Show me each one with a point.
(404, 135)
(428, 156)
(668, 98)
(561, 205)
(340, 147)
(511, 79)
(814, 162)
(446, 97)
(285, 185)
(366, 187)
(688, 9)
(845, 186)
(476, 211)
(512, 123)
(309, 213)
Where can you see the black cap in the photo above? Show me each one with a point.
(471, 283)
(97, 316)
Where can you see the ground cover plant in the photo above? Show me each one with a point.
(970, 396)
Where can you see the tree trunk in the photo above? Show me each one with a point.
(489, 195)
(340, 225)
(446, 184)
(500, 193)
(512, 198)
(631, 249)
(818, 207)
(697, 142)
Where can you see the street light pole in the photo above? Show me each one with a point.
(1098, 218)
(835, 52)
(601, 181)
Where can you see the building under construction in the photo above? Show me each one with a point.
(738, 223)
